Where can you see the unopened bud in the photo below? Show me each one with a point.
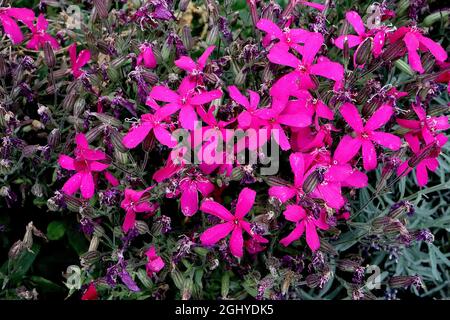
(363, 53)
(49, 55)
(405, 281)
(213, 35)
(141, 227)
(102, 8)
(186, 37)
(54, 138)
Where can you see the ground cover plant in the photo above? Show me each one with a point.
(159, 149)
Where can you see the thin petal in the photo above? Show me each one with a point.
(238, 97)
(280, 55)
(161, 93)
(412, 44)
(435, 48)
(237, 243)
(294, 235)
(351, 115)
(387, 140)
(245, 202)
(379, 118)
(185, 63)
(330, 70)
(269, 27)
(294, 213)
(216, 209)
(369, 155)
(282, 193)
(73, 184)
(206, 97)
(346, 149)
(128, 222)
(164, 136)
(66, 162)
(136, 135)
(204, 57)
(352, 41)
(87, 185)
(312, 238)
(216, 233)
(355, 20)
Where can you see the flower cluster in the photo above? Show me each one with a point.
(336, 124)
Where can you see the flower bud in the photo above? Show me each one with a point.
(49, 55)
(183, 5)
(348, 265)
(116, 140)
(78, 107)
(213, 35)
(395, 227)
(149, 77)
(438, 110)
(405, 281)
(89, 258)
(3, 67)
(186, 37)
(73, 204)
(141, 227)
(106, 119)
(54, 138)
(102, 8)
(363, 53)
(393, 51)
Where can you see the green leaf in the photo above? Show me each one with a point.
(56, 230)
(45, 285)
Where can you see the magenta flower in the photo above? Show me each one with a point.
(10, 27)
(151, 122)
(305, 67)
(190, 187)
(304, 221)
(86, 161)
(299, 168)
(40, 35)
(185, 99)
(336, 175)
(366, 134)
(287, 36)
(415, 41)
(146, 56)
(193, 68)
(132, 204)
(355, 20)
(155, 263)
(428, 164)
(234, 224)
(79, 61)
(247, 118)
(426, 126)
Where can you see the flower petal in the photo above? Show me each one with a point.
(351, 115)
(136, 135)
(216, 209)
(245, 202)
(216, 233)
(379, 118)
(369, 155)
(294, 235)
(237, 243)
